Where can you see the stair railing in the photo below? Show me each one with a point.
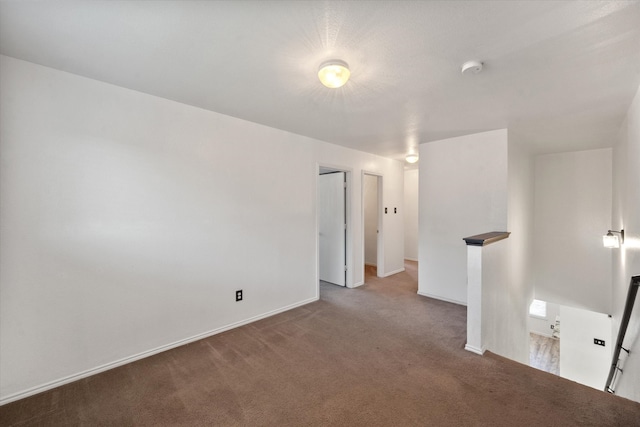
(626, 316)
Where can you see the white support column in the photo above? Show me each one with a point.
(474, 300)
(479, 292)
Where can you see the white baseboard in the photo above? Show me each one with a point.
(411, 259)
(355, 285)
(391, 273)
(89, 372)
(474, 349)
(425, 294)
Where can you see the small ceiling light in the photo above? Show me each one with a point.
(472, 66)
(334, 74)
(610, 240)
(412, 158)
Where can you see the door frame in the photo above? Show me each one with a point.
(380, 240)
(349, 234)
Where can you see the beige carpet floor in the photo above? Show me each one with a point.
(378, 355)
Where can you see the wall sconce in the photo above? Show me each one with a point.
(610, 240)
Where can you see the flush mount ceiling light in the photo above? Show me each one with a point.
(472, 67)
(334, 74)
(412, 158)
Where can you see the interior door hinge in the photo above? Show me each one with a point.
(345, 268)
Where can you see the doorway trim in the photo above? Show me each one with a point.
(380, 240)
(349, 234)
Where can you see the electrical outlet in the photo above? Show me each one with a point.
(239, 295)
(596, 341)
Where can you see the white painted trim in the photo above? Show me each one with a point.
(473, 349)
(358, 284)
(380, 237)
(381, 227)
(542, 335)
(93, 371)
(428, 295)
(411, 259)
(391, 273)
(349, 255)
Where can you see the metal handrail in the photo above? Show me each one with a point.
(626, 316)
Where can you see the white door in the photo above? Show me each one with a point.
(332, 229)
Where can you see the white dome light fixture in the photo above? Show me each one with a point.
(412, 158)
(334, 73)
(474, 67)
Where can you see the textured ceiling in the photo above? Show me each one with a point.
(560, 75)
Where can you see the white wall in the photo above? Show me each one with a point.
(411, 196)
(370, 219)
(580, 359)
(471, 185)
(572, 212)
(128, 221)
(626, 260)
(507, 288)
(488, 281)
(495, 286)
(463, 192)
(513, 307)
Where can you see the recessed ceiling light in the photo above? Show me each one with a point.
(472, 66)
(334, 73)
(412, 158)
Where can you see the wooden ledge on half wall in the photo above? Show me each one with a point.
(485, 239)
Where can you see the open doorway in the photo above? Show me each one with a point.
(332, 225)
(372, 225)
(544, 336)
